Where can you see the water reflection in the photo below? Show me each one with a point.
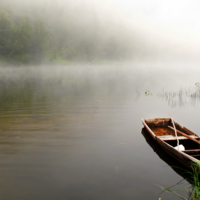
(182, 98)
(176, 166)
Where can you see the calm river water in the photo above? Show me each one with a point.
(75, 132)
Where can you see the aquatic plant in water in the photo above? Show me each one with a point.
(192, 190)
(197, 84)
(184, 96)
(147, 92)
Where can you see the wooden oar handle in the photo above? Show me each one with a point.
(172, 120)
(187, 136)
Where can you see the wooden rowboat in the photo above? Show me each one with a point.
(162, 131)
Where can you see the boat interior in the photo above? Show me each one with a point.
(163, 129)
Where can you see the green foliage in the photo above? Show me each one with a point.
(40, 39)
(21, 37)
(195, 187)
(147, 92)
(22, 40)
(39, 32)
(6, 33)
(55, 57)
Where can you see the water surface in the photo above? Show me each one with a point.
(75, 132)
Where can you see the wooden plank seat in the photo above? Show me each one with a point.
(192, 151)
(170, 137)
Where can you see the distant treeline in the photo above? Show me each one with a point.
(33, 32)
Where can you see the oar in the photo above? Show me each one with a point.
(175, 131)
(187, 136)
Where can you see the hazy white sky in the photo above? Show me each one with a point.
(176, 16)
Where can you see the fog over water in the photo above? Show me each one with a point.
(73, 78)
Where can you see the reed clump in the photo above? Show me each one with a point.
(192, 191)
(182, 97)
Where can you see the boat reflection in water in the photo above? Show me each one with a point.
(174, 164)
